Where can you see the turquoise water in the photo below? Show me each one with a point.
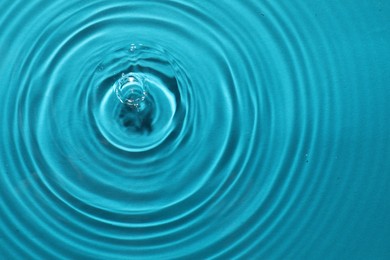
(195, 129)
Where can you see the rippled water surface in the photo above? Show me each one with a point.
(195, 129)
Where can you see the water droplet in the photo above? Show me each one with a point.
(133, 47)
(131, 90)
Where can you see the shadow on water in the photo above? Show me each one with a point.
(135, 120)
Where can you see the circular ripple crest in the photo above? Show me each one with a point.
(176, 129)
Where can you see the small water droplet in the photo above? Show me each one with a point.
(133, 47)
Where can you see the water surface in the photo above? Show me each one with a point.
(195, 129)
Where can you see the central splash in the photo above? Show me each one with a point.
(131, 90)
(138, 97)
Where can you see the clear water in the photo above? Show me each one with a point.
(195, 129)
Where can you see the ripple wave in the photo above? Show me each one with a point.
(174, 129)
